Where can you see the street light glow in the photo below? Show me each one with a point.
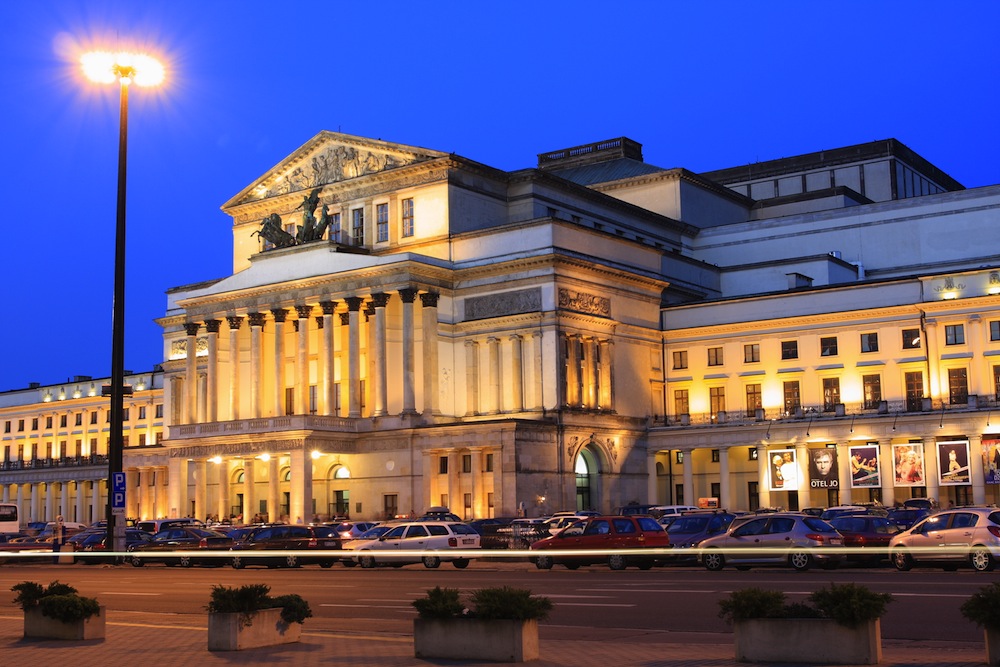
(107, 67)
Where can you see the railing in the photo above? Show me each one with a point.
(64, 462)
(267, 424)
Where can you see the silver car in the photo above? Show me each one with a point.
(949, 539)
(785, 538)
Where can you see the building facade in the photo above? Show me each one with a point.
(405, 328)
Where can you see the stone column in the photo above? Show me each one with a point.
(979, 377)
(887, 473)
(763, 481)
(802, 465)
(725, 483)
(354, 356)
(428, 479)
(256, 365)
(455, 499)
(368, 395)
(279, 315)
(931, 468)
(499, 498)
(212, 372)
(688, 476)
(604, 397)
(234, 366)
(476, 484)
(201, 489)
(652, 482)
(301, 504)
(977, 474)
(145, 502)
(516, 374)
(573, 371)
(328, 352)
(250, 505)
(935, 390)
(36, 506)
(379, 302)
(302, 362)
(844, 472)
(224, 504)
(538, 398)
(190, 374)
(273, 492)
(471, 378)
(408, 295)
(98, 507)
(493, 352)
(429, 329)
(64, 500)
(177, 487)
(589, 373)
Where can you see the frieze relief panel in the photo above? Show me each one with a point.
(178, 348)
(582, 302)
(503, 304)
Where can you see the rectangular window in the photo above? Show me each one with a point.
(911, 339)
(335, 228)
(954, 334)
(791, 394)
(680, 360)
(751, 353)
(289, 400)
(466, 463)
(34, 423)
(789, 349)
(467, 504)
(828, 346)
(489, 463)
(996, 382)
(124, 416)
(48, 422)
(158, 411)
(717, 399)
(914, 382)
(6, 426)
(873, 391)
(489, 504)
(407, 205)
(312, 399)
(358, 226)
(715, 456)
(754, 398)
(442, 465)
(716, 490)
(831, 394)
(20, 425)
(715, 356)
(869, 342)
(680, 402)
(93, 415)
(142, 439)
(142, 412)
(958, 386)
(753, 495)
(62, 421)
(995, 330)
(381, 223)
(390, 505)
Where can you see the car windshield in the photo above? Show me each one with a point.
(818, 525)
(687, 525)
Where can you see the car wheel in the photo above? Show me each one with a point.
(367, 562)
(185, 561)
(981, 559)
(543, 562)
(136, 561)
(461, 563)
(326, 565)
(238, 563)
(714, 561)
(291, 561)
(348, 563)
(902, 560)
(800, 560)
(616, 562)
(431, 562)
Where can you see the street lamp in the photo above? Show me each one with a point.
(126, 68)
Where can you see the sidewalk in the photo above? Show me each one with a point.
(169, 640)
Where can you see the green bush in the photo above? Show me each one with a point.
(57, 600)
(983, 608)
(439, 603)
(505, 602)
(247, 600)
(850, 604)
(750, 603)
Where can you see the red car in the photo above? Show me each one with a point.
(864, 531)
(602, 535)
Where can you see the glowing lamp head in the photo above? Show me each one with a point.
(106, 67)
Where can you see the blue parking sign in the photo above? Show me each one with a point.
(117, 490)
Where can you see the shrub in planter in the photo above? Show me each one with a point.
(850, 605)
(249, 617)
(57, 601)
(249, 599)
(983, 609)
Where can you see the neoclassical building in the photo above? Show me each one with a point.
(405, 328)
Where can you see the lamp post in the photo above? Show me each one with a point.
(125, 68)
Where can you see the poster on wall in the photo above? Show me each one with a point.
(864, 467)
(991, 461)
(909, 464)
(953, 463)
(823, 468)
(784, 470)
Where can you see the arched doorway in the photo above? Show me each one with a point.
(340, 492)
(587, 470)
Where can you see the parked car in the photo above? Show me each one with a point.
(96, 541)
(291, 546)
(905, 517)
(439, 537)
(349, 530)
(660, 511)
(781, 538)
(949, 539)
(162, 548)
(154, 526)
(689, 529)
(868, 533)
(604, 536)
(438, 513)
(841, 510)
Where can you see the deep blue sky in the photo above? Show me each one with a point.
(702, 85)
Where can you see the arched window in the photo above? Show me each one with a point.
(342, 472)
(586, 468)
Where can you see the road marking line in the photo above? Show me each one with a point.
(591, 604)
(128, 593)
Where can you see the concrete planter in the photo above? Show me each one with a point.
(992, 647)
(230, 632)
(815, 641)
(475, 639)
(39, 626)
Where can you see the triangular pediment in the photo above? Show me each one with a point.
(330, 157)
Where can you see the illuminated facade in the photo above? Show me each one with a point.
(405, 328)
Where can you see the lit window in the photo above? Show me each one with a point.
(828, 346)
(831, 394)
(717, 399)
(954, 334)
(751, 353)
(958, 386)
(715, 356)
(680, 360)
(873, 391)
(335, 228)
(407, 217)
(911, 339)
(381, 223)
(680, 401)
(791, 393)
(358, 226)
(869, 342)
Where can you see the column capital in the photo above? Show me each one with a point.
(408, 294)
(354, 303)
(212, 326)
(345, 318)
(191, 328)
(328, 307)
(471, 343)
(303, 311)
(279, 314)
(515, 337)
(429, 299)
(319, 321)
(256, 319)
(369, 310)
(234, 321)
(379, 300)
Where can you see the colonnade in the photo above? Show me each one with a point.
(587, 372)
(82, 501)
(472, 493)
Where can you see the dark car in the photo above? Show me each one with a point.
(164, 545)
(905, 517)
(288, 546)
(605, 536)
(868, 535)
(688, 530)
(96, 541)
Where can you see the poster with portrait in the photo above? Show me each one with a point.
(953, 463)
(909, 464)
(823, 468)
(784, 470)
(991, 461)
(864, 467)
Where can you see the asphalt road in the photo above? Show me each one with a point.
(662, 604)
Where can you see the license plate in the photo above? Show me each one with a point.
(468, 540)
(835, 541)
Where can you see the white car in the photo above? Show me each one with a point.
(409, 542)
